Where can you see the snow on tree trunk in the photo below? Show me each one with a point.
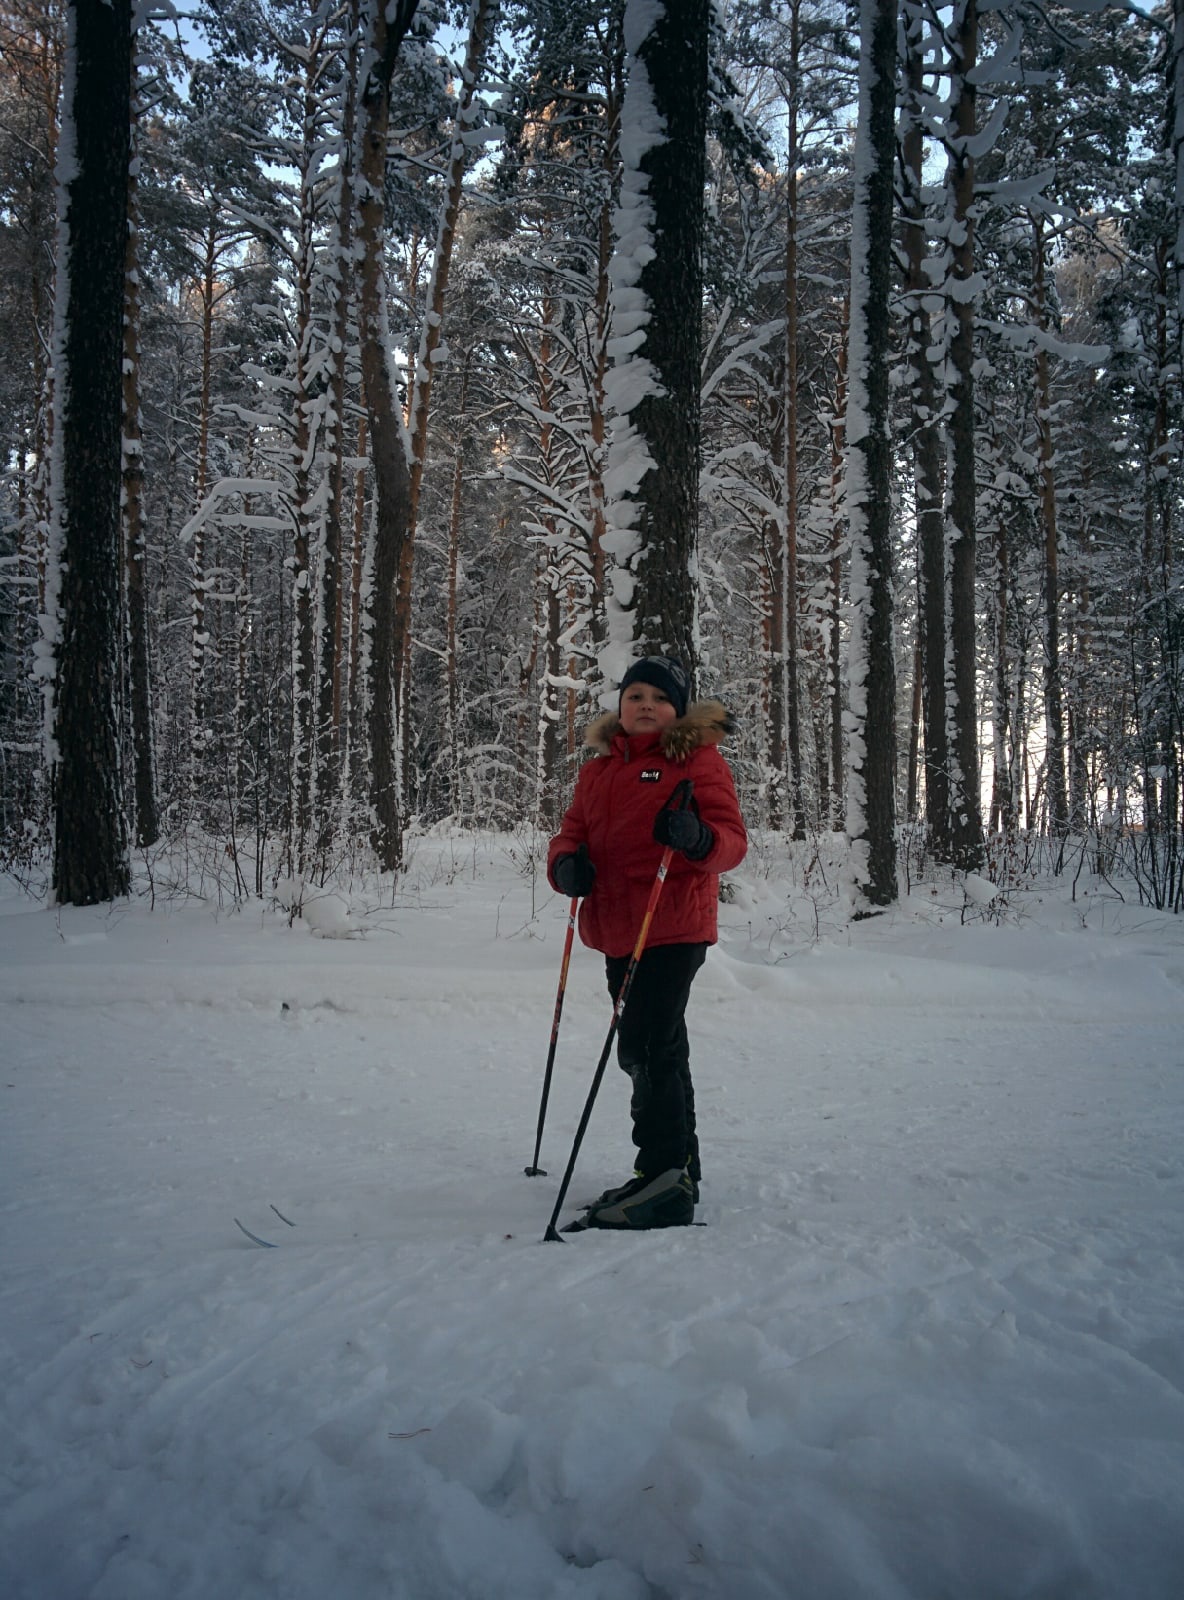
(83, 624)
(652, 390)
(871, 668)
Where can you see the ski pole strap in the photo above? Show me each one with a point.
(680, 800)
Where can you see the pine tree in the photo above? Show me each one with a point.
(654, 387)
(928, 448)
(383, 35)
(871, 775)
(90, 843)
(961, 697)
(31, 51)
(135, 555)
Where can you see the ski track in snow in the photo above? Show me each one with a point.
(930, 1342)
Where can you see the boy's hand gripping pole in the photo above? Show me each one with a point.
(680, 799)
(534, 1170)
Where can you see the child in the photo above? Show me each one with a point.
(624, 812)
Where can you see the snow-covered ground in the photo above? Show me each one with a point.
(929, 1344)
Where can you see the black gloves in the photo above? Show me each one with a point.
(574, 875)
(682, 830)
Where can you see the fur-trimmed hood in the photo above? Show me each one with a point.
(707, 722)
(612, 814)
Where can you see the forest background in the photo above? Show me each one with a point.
(391, 459)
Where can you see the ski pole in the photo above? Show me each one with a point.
(534, 1170)
(683, 791)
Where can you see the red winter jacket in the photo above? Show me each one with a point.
(617, 799)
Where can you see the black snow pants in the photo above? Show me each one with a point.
(652, 1047)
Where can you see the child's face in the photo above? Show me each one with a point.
(645, 709)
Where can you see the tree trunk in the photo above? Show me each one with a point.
(601, 325)
(330, 737)
(1003, 795)
(871, 746)
(966, 829)
(928, 477)
(90, 844)
(912, 787)
(135, 555)
(788, 571)
(197, 561)
(1054, 701)
(357, 742)
(452, 630)
(834, 587)
(654, 457)
(786, 701)
(1176, 138)
(549, 608)
(304, 653)
(388, 435)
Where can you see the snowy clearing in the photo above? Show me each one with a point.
(929, 1344)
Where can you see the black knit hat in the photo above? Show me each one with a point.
(663, 672)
